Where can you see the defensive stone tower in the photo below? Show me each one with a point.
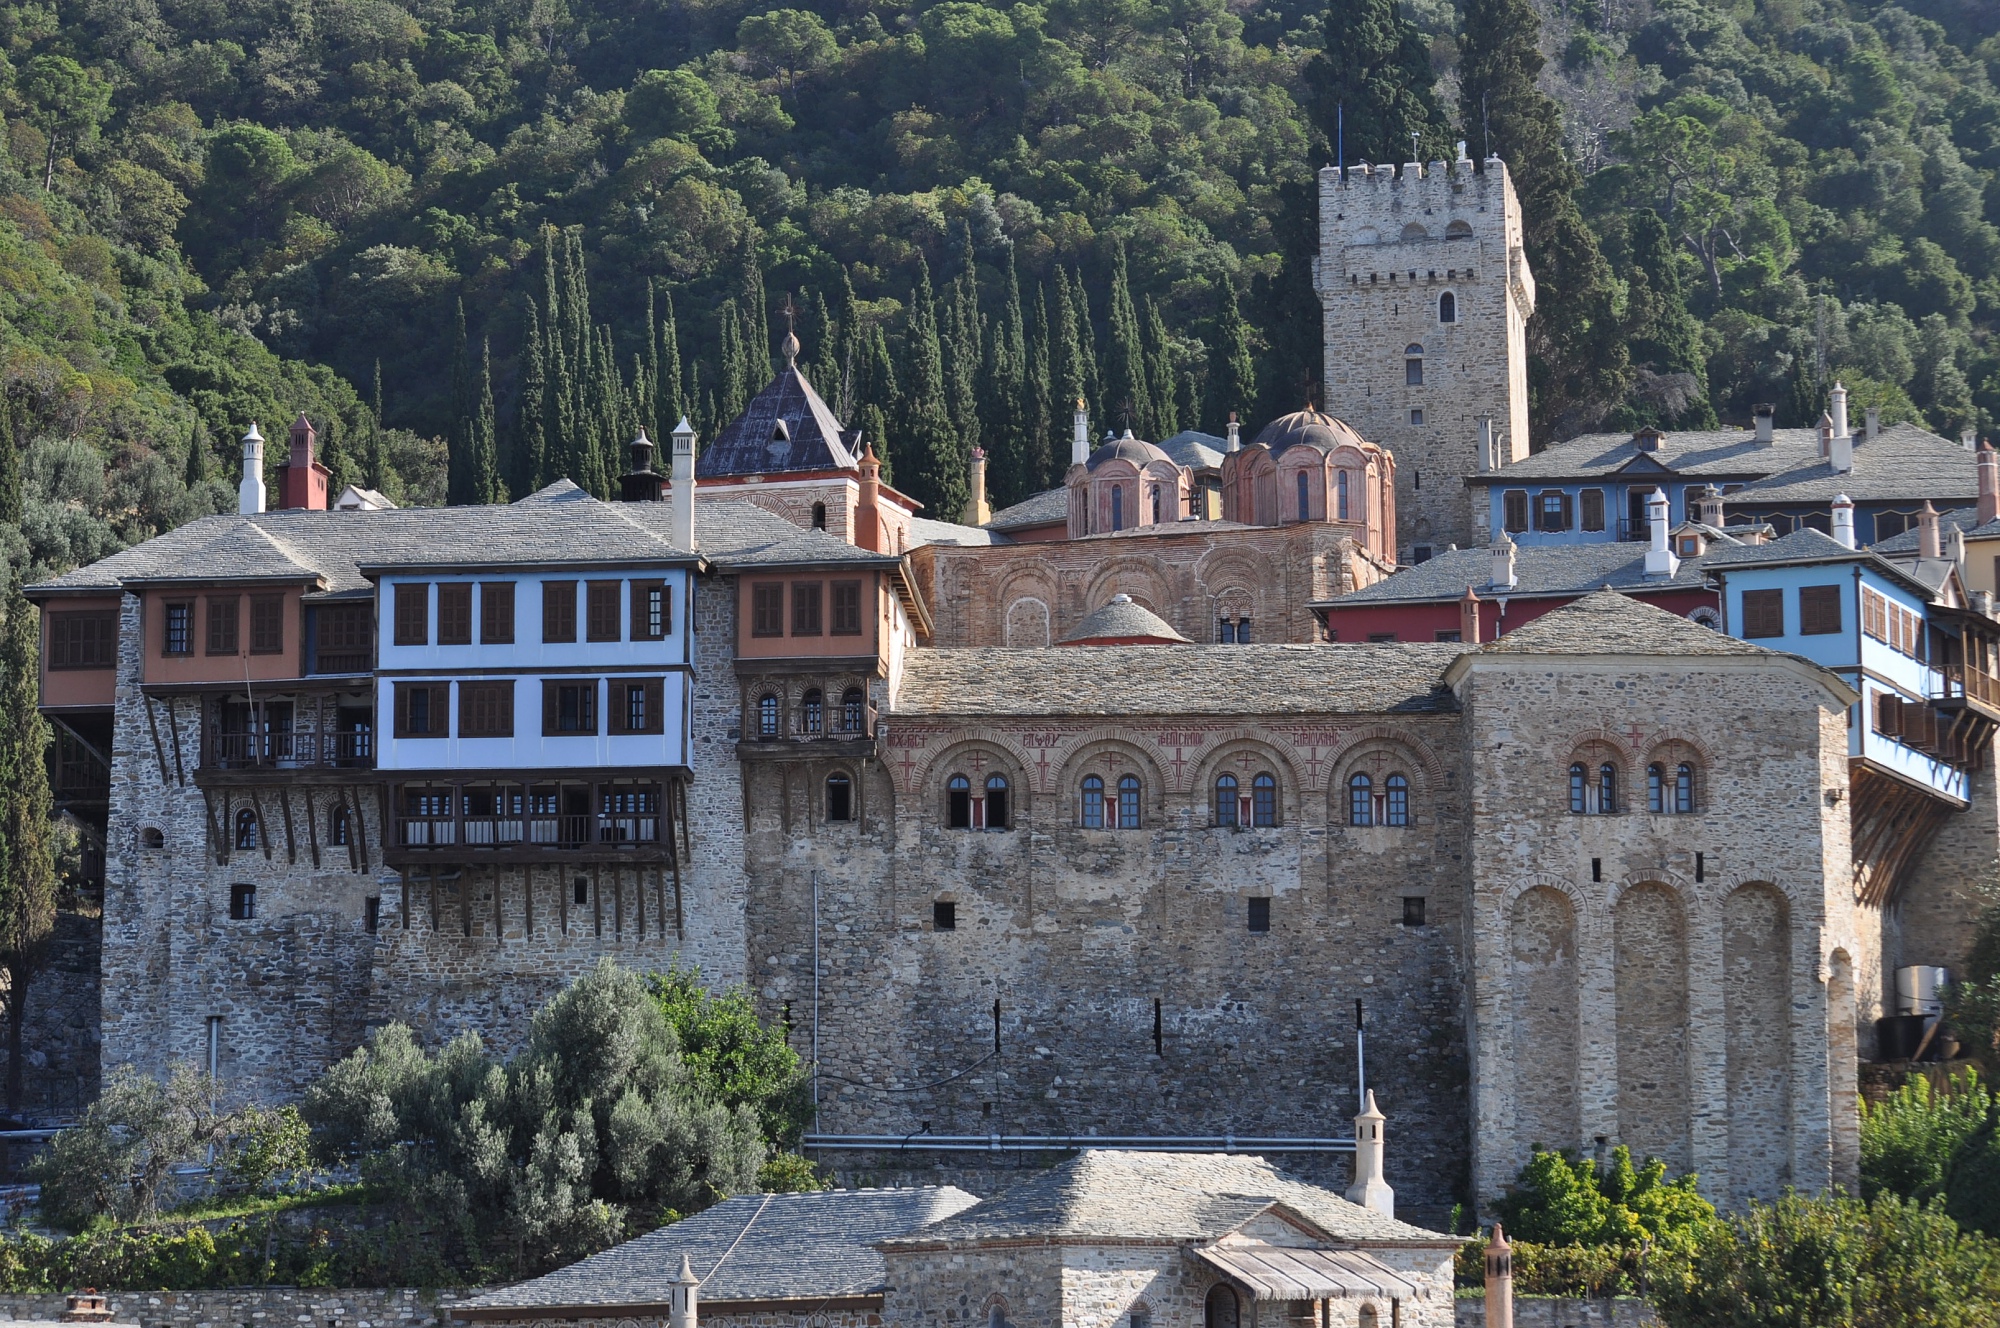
(1427, 294)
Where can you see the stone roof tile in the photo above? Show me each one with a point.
(785, 427)
(1122, 618)
(1608, 623)
(1046, 508)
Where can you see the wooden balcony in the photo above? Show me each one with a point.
(1953, 684)
(286, 751)
(527, 820)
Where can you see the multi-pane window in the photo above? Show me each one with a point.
(845, 597)
(341, 638)
(1763, 613)
(601, 612)
(853, 710)
(1819, 610)
(224, 616)
(767, 609)
(812, 712)
(454, 613)
(1413, 365)
(1447, 308)
(496, 613)
(1670, 789)
(652, 611)
(1128, 802)
(1225, 801)
(1360, 800)
(1396, 800)
(806, 608)
(767, 716)
(1264, 800)
(486, 709)
(178, 630)
(1593, 793)
(638, 705)
(423, 709)
(267, 624)
(413, 614)
(569, 707)
(83, 640)
(1552, 510)
(1091, 808)
(558, 612)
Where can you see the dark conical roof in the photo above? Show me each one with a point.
(1313, 428)
(785, 427)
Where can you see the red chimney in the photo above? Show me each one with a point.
(302, 480)
(1468, 618)
(867, 504)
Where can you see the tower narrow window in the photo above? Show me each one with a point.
(1683, 788)
(853, 710)
(1397, 796)
(812, 713)
(1447, 308)
(819, 516)
(1579, 789)
(1305, 497)
(1340, 494)
(767, 716)
(1118, 507)
(1413, 365)
(839, 798)
(1656, 794)
(1156, 504)
(1607, 788)
(996, 802)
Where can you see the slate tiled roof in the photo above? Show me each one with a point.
(1539, 570)
(1047, 508)
(1120, 619)
(1901, 464)
(923, 530)
(1116, 1194)
(1961, 518)
(751, 443)
(1177, 680)
(1608, 623)
(753, 1247)
(1195, 450)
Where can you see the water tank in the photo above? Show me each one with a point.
(1920, 989)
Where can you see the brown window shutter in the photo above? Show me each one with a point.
(549, 704)
(1763, 613)
(806, 608)
(496, 613)
(1819, 610)
(413, 615)
(768, 609)
(454, 613)
(558, 612)
(267, 624)
(602, 624)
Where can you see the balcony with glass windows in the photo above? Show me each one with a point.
(521, 821)
(786, 720)
(291, 736)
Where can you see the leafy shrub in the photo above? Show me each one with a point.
(1832, 1263)
(736, 1059)
(1908, 1141)
(790, 1173)
(1563, 1199)
(1579, 1271)
(118, 1161)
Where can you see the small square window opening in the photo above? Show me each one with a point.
(1413, 911)
(944, 915)
(1260, 913)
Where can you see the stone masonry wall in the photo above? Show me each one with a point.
(1081, 935)
(60, 1036)
(265, 1307)
(1699, 941)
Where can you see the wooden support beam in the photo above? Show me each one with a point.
(263, 831)
(285, 808)
(312, 828)
(218, 843)
(174, 731)
(153, 723)
(357, 833)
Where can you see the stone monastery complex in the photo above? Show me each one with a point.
(1102, 816)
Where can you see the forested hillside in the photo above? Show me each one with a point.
(530, 226)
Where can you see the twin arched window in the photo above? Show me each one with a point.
(984, 808)
(1388, 805)
(1593, 793)
(1670, 790)
(1233, 809)
(1109, 809)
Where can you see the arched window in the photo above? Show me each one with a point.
(1128, 802)
(1156, 504)
(1607, 788)
(1118, 507)
(812, 713)
(1369, 1317)
(1221, 1309)
(1413, 365)
(819, 516)
(1360, 800)
(958, 803)
(152, 838)
(336, 829)
(1458, 230)
(1340, 493)
(1092, 810)
(1305, 497)
(1683, 788)
(1579, 789)
(997, 809)
(1264, 801)
(246, 828)
(1656, 787)
(1225, 801)
(1447, 308)
(853, 710)
(767, 716)
(839, 798)
(1396, 792)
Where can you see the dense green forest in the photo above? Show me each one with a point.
(512, 231)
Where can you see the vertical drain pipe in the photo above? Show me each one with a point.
(815, 884)
(1360, 1060)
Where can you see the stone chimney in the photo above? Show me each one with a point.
(1761, 416)
(1079, 442)
(86, 1306)
(1503, 562)
(867, 503)
(1234, 432)
(1840, 443)
(641, 484)
(250, 493)
(1708, 506)
(1989, 483)
(1468, 618)
(1843, 520)
(681, 524)
(681, 1295)
(1660, 560)
(1873, 425)
(302, 480)
(1929, 546)
(1499, 1281)
(977, 511)
(1369, 1189)
(1967, 439)
(1825, 435)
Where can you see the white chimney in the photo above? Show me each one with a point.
(1234, 432)
(1843, 521)
(1873, 416)
(1503, 562)
(1989, 483)
(681, 1293)
(1079, 443)
(250, 493)
(1968, 439)
(1369, 1189)
(1761, 415)
(681, 495)
(1489, 455)
(1955, 548)
(1660, 560)
(1840, 448)
(1928, 544)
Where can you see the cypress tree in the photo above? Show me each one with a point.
(1577, 354)
(875, 384)
(669, 399)
(1660, 332)
(1372, 79)
(960, 341)
(1019, 453)
(460, 465)
(27, 857)
(486, 481)
(1162, 375)
(1088, 363)
(332, 453)
(528, 455)
(1065, 354)
(377, 466)
(1232, 373)
(732, 392)
(873, 424)
(755, 343)
(1039, 402)
(937, 466)
(822, 342)
(607, 413)
(194, 476)
(579, 349)
(1128, 396)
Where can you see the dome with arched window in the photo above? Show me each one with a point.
(1312, 466)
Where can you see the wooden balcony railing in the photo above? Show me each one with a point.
(553, 832)
(342, 661)
(288, 751)
(1954, 682)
